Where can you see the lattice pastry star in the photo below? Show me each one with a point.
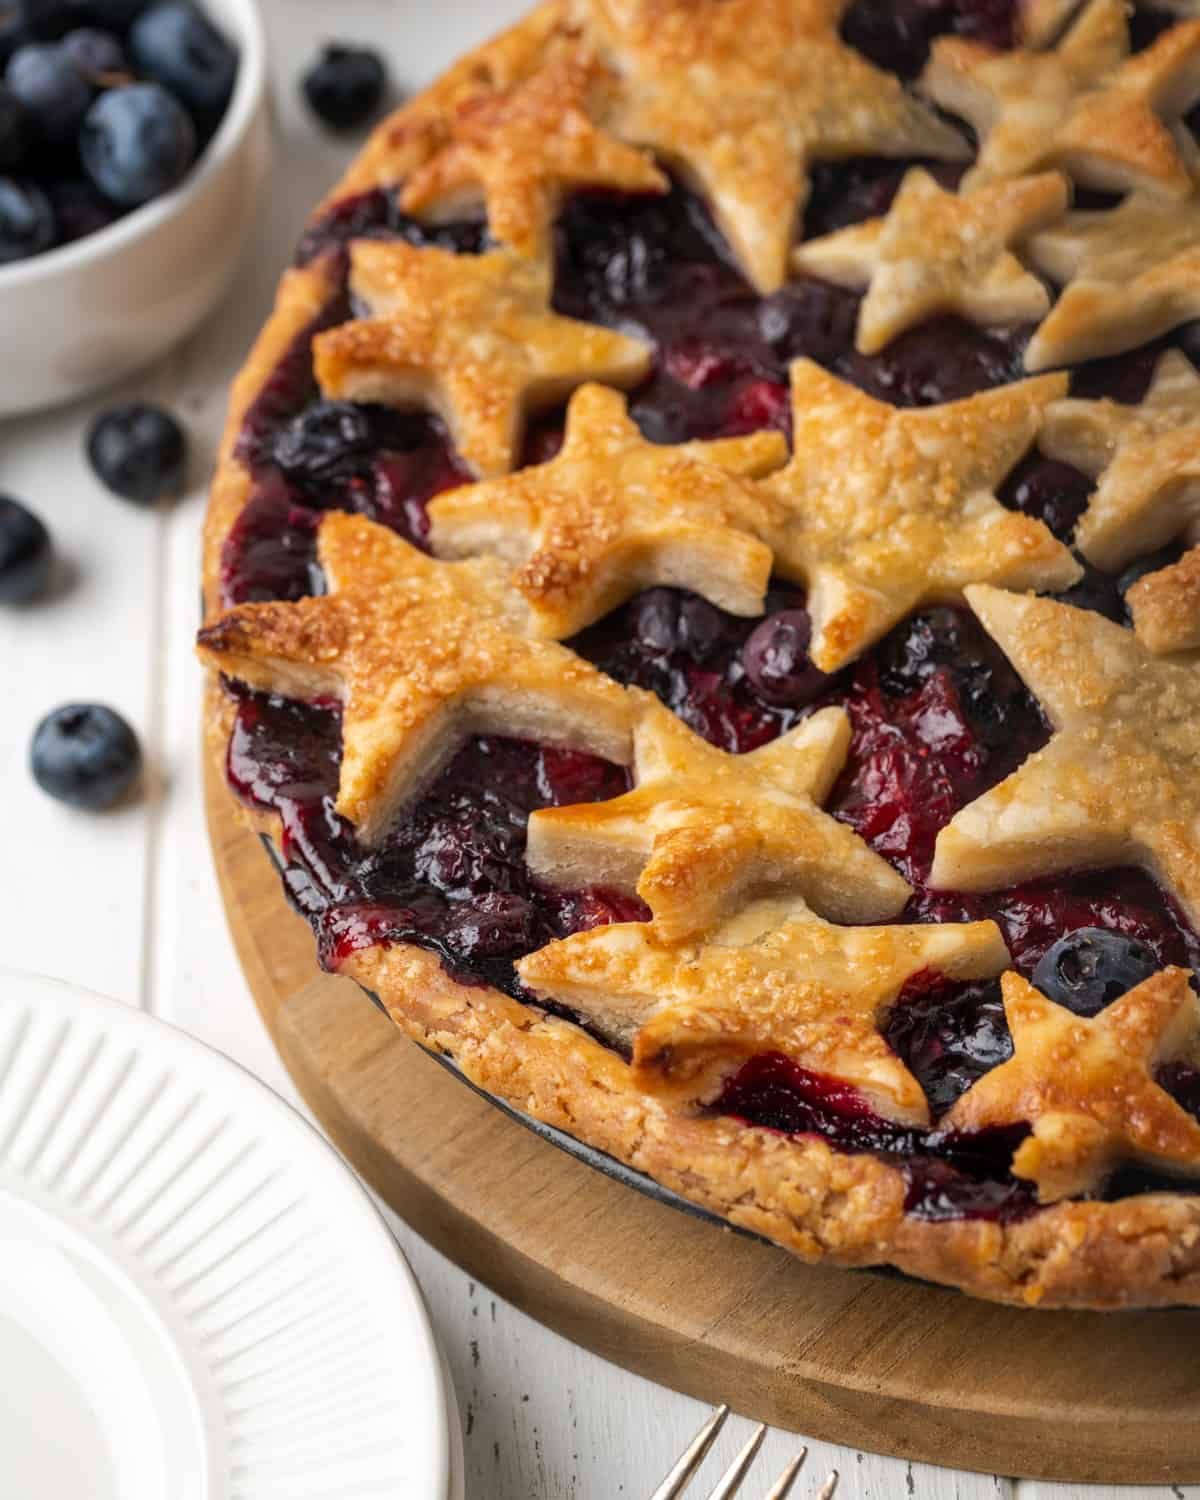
(1132, 272)
(740, 96)
(1119, 782)
(421, 654)
(472, 337)
(938, 252)
(1146, 457)
(613, 514)
(521, 152)
(703, 829)
(890, 509)
(1086, 1086)
(1043, 20)
(1165, 606)
(1086, 106)
(773, 979)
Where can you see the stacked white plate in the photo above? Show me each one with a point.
(198, 1301)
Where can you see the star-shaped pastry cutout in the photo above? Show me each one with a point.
(612, 514)
(1165, 606)
(1130, 273)
(773, 979)
(890, 509)
(1086, 1086)
(421, 654)
(1146, 457)
(938, 252)
(521, 152)
(1119, 782)
(703, 829)
(471, 337)
(1042, 21)
(741, 96)
(1086, 105)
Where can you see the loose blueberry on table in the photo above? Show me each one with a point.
(938, 715)
(86, 755)
(345, 86)
(26, 553)
(139, 452)
(103, 107)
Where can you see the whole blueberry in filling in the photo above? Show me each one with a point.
(1089, 969)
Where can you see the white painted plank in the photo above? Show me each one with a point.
(1036, 1490)
(73, 885)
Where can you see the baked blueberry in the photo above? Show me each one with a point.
(26, 553)
(97, 54)
(139, 452)
(345, 86)
(177, 46)
(26, 220)
(86, 755)
(1096, 591)
(1091, 967)
(330, 439)
(656, 621)
(777, 662)
(54, 92)
(15, 130)
(136, 143)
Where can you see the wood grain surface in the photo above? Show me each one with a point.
(858, 1359)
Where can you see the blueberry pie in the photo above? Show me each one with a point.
(701, 590)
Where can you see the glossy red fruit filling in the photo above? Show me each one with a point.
(451, 874)
(949, 1176)
(376, 215)
(937, 714)
(895, 34)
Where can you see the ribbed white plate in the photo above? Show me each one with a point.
(197, 1299)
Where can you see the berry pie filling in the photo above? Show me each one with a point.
(938, 716)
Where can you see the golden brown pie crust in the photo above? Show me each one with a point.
(797, 1191)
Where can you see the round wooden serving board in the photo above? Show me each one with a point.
(888, 1365)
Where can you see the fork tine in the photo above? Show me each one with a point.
(783, 1485)
(731, 1481)
(694, 1455)
(827, 1489)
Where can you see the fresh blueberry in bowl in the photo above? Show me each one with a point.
(44, 20)
(97, 54)
(777, 663)
(139, 452)
(16, 130)
(1091, 967)
(175, 44)
(346, 85)
(54, 92)
(86, 755)
(137, 143)
(112, 15)
(26, 220)
(26, 553)
(80, 208)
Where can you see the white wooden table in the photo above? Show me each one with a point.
(127, 903)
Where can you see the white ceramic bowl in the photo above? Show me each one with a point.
(86, 314)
